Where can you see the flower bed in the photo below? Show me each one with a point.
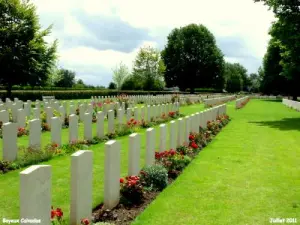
(242, 102)
(30, 156)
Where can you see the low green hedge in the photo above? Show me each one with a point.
(75, 94)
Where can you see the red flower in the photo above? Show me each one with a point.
(131, 120)
(134, 122)
(53, 213)
(128, 123)
(59, 213)
(85, 221)
(121, 180)
(191, 137)
(194, 145)
(133, 182)
(172, 152)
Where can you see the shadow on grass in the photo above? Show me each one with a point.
(272, 100)
(284, 124)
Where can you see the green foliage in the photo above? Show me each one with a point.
(25, 57)
(235, 76)
(192, 57)
(148, 70)
(286, 30)
(66, 78)
(112, 86)
(120, 72)
(154, 177)
(273, 80)
(254, 82)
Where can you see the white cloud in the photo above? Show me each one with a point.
(245, 19)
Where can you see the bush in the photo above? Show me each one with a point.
(172, 161)
(131, 190)
(154, 177)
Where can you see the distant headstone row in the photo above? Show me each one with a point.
(292, 104)
(241, 101)
(217, 101)
(35, 182)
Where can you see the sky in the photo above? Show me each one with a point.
(96, 35)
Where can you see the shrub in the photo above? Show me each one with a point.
(172, 161)
(31, 156)
(131, 190)
(154, 177)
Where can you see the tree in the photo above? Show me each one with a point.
(112, 86)
(287, 30)
(254, 82)
(273, 80)
(193, 59)
(79, 84)
(148, 69)
(25, 57)
(66, 78)
(120, 72)
(233, 77)
(243, 73)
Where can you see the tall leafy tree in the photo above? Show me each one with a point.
(254, 82)
(112, 86)
(148, 69)
(25, 57)
(66, 78)
(193, 59)
(287, 30)
(243, 73)
(273, 80)
(233, 77)
(120, 72)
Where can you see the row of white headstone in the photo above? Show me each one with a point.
(20, 110)
(292, 104)
(240, 101)
(10, 130)
(217, 101)
(35, 181)
(264, 96)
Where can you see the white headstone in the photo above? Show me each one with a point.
(100, 124)
(73, 128)
(88, 134)
(111, 118)
(4, 116)
(21, 118)
(134, 154)
(10, 148)
(56, 130)
(163, 134)
(81, 182)
(180, 132)
(172, 132)
(150, 146)
(35, 194)
(35, 134)
(112, 174)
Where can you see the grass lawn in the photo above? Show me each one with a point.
(247, 175)
(9, 183)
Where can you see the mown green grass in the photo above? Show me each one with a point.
(9, 183)
(247, 175)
